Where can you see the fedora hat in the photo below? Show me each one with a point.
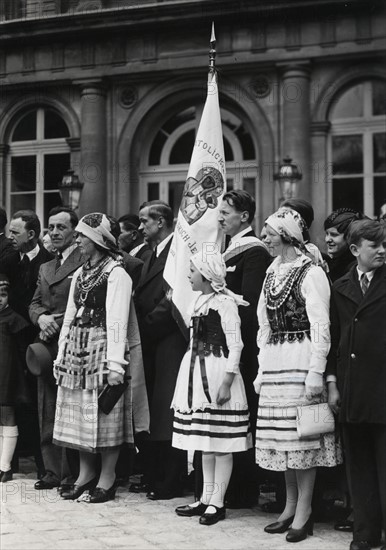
(40, 357)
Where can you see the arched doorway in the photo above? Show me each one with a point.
(165, 162)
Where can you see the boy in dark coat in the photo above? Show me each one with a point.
(356, 376)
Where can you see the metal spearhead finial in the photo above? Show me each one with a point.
(212, 51)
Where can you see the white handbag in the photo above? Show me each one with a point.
(314, 420)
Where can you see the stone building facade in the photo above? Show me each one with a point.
(115, 89)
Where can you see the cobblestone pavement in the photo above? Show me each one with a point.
(33, 519)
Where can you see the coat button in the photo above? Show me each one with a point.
(356, 319)
(353, 356)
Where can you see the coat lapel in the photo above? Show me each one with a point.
(159, 264)
(72, 263)
(376, 289)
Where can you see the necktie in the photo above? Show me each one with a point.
(364, 283)
(59, 258)
(24, 262)
(153, 258)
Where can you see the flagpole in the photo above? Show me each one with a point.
(212, 52)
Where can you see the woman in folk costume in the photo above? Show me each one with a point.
(293, 338)
(93, 352)
(210, 406)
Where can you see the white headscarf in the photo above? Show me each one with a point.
(97, 227)
(288, 223)
(213, 268)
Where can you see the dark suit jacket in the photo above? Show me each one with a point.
(9, 257)
(133, 267)
(245, 276)
(144, 253)
(358, 347)
(162, 343)
(25, 281)
(52, 289)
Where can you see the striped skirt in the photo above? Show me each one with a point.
(204, 425)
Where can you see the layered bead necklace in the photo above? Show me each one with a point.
(91, 276)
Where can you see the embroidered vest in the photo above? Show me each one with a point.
(286, 307)
(94, 306)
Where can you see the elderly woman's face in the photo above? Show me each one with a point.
(335, 242)
(86, 245)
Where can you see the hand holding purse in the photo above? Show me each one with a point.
(110, 395)
(312, 420)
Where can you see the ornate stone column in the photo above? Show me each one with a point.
(295, 92)
(320, 174)
(93, 147)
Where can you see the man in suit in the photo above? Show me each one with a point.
(246, 258)
(356, 377)
(163, 347)
(131, 240)
(24, 232)
(9, 257)
(46, 312)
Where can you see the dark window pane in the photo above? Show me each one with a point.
(178, 119)
(26, 128)
(23, 202)
(379, 152)
(347, 155)
(347, 193)
(349, 104)
(152, 191)
(176, 189)
(50, 200)
(55, 166)
(246, 143)
(54, 126)
(249, 186)
(229, 184)
(228, 151)
(156, 148)
(23, 173)
(379, 98)
(379, 193)
(182, 150)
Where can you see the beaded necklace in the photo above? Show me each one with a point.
(277, 292)
(91, 276)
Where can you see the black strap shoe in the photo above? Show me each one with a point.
(211, 519)
(189, 511)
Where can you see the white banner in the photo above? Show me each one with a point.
(197, 228)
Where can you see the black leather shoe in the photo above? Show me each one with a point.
(346, 525)
(103, 495)
(41, 485)
(64, 488)
(360, 545)
(211, 519)
(6, 476)
(189, 511)
(76, 490)
(296, 535)
(279, 526)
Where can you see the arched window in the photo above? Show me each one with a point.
(39, 156)
(358, 147)
(165, 165)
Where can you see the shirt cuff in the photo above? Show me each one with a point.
(331, 378)
(115, 367)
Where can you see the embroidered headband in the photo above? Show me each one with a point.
(288, 223)
(98, 228)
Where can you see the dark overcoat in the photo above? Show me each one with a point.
(163, 345)
(358, 348)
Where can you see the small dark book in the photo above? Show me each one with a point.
(110, 395)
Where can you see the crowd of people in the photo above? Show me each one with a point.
(98, 380)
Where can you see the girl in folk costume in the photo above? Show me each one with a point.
(13, 388)
(293, 338)
(93, 351)
(210, 406)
